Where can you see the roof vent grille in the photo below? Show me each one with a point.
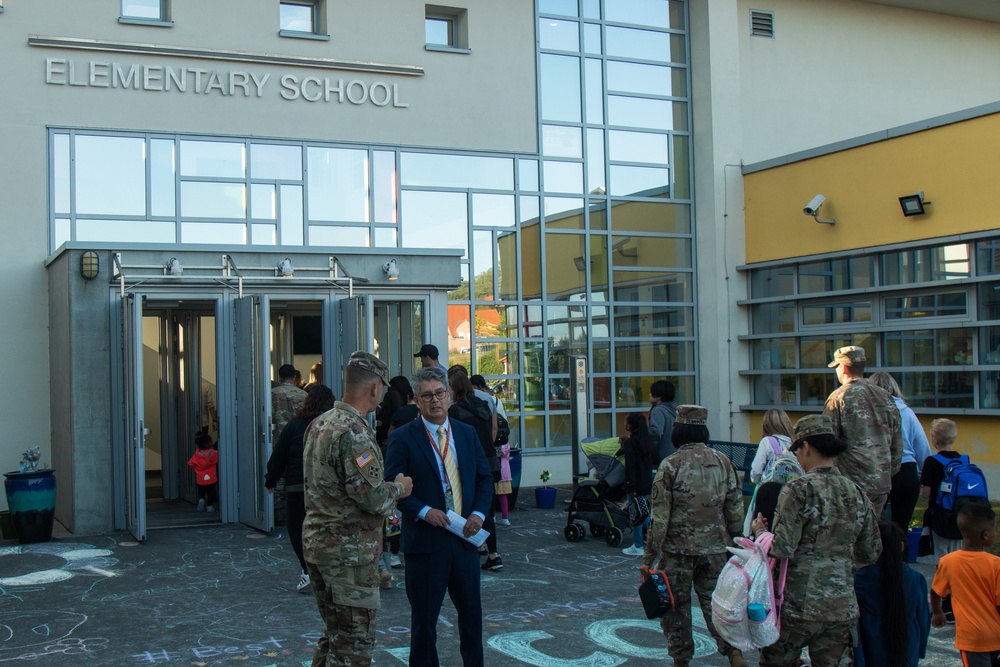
(761, 23)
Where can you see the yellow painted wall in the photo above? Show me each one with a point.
(956, 166)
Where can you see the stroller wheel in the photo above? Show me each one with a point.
(596, 531)
(573, 532)
(614, 537)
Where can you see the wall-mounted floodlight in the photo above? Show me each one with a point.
(812, 208)
(913, 204)
(285, 268)
(173, 267)
(391, 270)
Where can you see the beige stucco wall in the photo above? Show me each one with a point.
(483, 100)
(839, 69)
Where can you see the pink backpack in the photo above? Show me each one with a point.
(747, 579)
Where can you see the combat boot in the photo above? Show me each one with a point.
(736, 658)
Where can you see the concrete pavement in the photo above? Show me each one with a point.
(225, 596)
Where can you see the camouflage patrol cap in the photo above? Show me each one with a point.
(691, 414)
(370, 363)
(811, 425)
(846, 356)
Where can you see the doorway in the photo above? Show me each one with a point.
(206, 360)
(179, 395)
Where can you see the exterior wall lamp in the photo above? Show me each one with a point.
(90, 265)
(173, 267)
(285, 268)
(913, 204)
(391, 269)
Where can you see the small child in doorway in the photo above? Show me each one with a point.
(205, 462)
(503, 487)
(971, 576)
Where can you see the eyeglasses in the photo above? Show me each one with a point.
(438, 395)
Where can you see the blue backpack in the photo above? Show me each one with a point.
(961, 483)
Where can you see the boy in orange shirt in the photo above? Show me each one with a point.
(972, 577)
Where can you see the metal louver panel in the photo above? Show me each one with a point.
(761, 24)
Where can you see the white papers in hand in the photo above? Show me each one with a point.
(457, 525)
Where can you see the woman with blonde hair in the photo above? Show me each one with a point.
(906, 482)
(777, 428)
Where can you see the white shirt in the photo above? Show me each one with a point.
(432, 429)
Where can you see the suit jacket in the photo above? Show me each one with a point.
(410, 453)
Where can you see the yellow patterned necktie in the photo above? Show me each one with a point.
(450, 469)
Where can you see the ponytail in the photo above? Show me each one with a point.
(894, 593)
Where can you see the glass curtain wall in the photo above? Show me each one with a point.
(585, 249)
(612, 226)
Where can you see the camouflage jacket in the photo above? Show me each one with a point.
(823, 523)
(696, 504)
(866, 417)
(286, 401)
(346, 504)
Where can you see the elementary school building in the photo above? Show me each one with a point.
(196, 193)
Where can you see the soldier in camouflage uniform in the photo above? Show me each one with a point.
(286, 401)
(867, 419)
(824, 523)
(346, 505)
(697, 508)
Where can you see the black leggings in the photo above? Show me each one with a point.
(904, 494)
(208, 492)
(295, 514)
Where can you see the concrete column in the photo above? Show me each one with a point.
(719, 220)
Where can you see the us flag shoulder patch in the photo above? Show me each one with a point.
(364, 458)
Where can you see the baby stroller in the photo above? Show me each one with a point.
(600, 500)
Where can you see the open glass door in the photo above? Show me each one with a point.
(135, 428)
(253, 410)
(355, 334)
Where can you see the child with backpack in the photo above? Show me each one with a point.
(948, 481)
(971, 576)
(895, 616)
(777, 471)
(777, 428)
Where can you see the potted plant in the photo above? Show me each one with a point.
(545, 498)
(31, 498)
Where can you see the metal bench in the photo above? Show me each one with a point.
(741, 454)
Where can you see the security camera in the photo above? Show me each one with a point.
(812, 208)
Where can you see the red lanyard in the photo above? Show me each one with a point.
(440, 452)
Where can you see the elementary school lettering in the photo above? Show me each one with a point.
(232, 83)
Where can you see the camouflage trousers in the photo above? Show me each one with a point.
(830, 644)
(683, 573)
(348, 632)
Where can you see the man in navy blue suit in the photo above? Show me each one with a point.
(449, 471)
